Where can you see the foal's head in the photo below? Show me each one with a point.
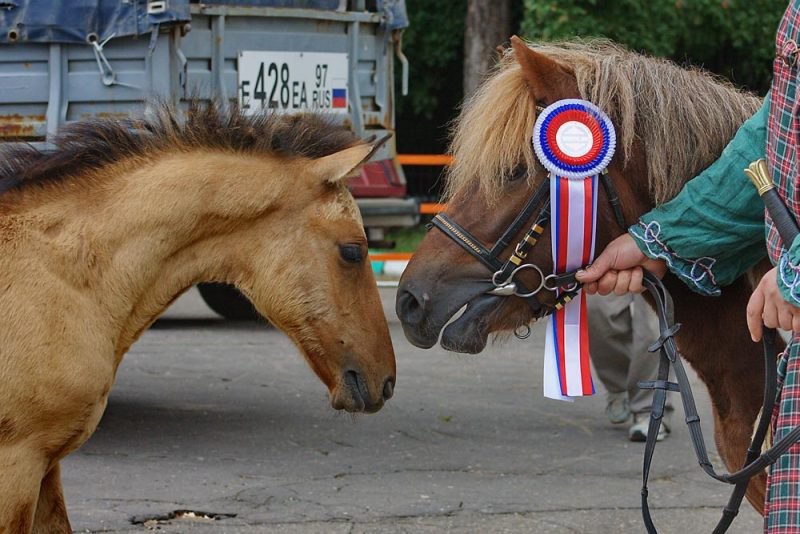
(298, 251)
(666, 133)
(260, 202)
(306, 268)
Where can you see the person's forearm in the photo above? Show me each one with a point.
(713, 230)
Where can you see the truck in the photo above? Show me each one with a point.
(63, 61)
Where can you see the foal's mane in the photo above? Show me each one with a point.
(684, 117)
(93, 144)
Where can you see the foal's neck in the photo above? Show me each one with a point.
(153, 229)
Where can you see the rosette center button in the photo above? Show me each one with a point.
(574, 139)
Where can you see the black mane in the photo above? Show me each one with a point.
(93, 144)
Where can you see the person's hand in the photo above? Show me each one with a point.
(767, 307)
(619, 269)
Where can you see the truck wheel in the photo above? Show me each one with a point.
(227, 301)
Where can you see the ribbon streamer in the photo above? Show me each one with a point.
(575, 141)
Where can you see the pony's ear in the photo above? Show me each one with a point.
(546, 78)
(344, 163)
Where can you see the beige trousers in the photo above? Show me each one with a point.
(620, 330)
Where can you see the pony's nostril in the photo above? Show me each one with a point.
(388, 389)
(409, 309)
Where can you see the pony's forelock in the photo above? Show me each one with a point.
(684, 117)
(491, 136)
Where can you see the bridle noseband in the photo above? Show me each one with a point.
(504, 273)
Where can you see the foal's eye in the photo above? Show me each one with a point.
(520, 172)
(351, 253)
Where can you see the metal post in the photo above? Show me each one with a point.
(218, 59)
(355, 92)
(56, 113)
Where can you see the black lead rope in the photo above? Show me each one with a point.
(754, 462)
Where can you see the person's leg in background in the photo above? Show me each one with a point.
(644, 366)
(620, 330)
(610, 339)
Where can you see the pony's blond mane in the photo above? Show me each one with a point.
(683, 117)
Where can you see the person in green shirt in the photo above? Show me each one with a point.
(708, 236)
(711, 233)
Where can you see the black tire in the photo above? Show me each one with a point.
(229, 302)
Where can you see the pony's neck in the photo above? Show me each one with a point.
(152, 230)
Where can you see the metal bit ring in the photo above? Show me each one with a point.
(541, 279)
(522, 332)
(572, 287)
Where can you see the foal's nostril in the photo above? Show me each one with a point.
(388, 389)
(409, 308)
(355, 384)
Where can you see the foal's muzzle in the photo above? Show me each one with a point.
(353, 394)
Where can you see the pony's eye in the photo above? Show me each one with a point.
(351, 253)
(520, 172)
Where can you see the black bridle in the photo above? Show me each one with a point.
(504, 273)
(754, 462)
(506, 284)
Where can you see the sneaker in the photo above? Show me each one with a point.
(617, 408)
(641, 423)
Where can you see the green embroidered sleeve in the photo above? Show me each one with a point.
(789, 273)
(713, 231)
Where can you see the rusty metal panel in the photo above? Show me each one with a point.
(21, 127)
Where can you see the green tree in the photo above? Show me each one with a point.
(434, 44)
(733, 38)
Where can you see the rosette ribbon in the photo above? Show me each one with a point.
(574, 140)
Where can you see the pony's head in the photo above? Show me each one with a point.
(670, 124)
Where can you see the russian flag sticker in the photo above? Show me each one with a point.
(339, 98)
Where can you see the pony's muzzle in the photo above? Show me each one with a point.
(352, 394)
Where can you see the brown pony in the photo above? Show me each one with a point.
(100, 236)
(671, 123)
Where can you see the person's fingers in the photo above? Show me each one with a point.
(623, 282)
(637, 275)
(755, 307)
(770, 315)
(796, 322)
(598, 268)
(785, 317)
(590, 288)
(607, 283)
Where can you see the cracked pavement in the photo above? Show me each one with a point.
(226, 418)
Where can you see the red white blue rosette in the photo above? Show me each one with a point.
(574, 139)
(575, 142)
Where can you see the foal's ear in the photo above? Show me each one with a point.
(344, 163)
(338, 165)
(547, 80)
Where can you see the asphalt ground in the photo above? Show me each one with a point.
(226, 420)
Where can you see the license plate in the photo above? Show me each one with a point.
(292, 81)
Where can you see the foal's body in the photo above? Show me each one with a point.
(89, 261)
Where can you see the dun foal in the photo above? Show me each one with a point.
(100, 236)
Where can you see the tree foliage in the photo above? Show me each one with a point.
(733, 38)
(434, 44)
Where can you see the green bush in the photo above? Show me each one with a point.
(434, 44)
(733, 38)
